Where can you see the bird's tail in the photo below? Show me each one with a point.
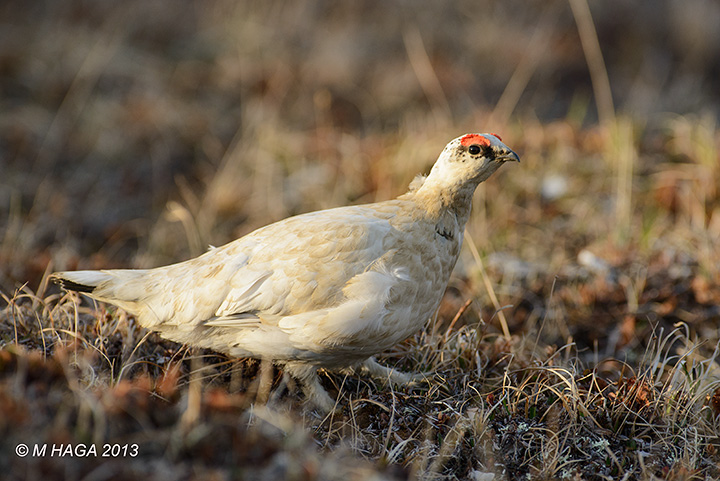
(122, 287)
(80, 281)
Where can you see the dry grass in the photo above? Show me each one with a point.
(578, 338)
(490, 406)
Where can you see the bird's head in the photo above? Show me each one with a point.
(462, 165)
(471, 159)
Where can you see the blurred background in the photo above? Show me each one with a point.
(134, 134)
(137, 133)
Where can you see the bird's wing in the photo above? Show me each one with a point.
(359, 319)
(301, 265)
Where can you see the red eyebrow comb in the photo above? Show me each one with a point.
(471, 139)
(496, 135)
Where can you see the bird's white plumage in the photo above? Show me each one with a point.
(328, 288)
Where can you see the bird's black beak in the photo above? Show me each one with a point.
(507, 155)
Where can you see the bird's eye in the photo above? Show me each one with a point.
(474, 149)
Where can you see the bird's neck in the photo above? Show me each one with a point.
(436, 199)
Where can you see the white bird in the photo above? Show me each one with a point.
(326, 289)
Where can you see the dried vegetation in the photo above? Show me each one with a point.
(578, 338)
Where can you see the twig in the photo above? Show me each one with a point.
(458, 315)
(488, 286)
(421, 64)
(595, 61)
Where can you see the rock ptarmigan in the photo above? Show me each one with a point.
(327, 289)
